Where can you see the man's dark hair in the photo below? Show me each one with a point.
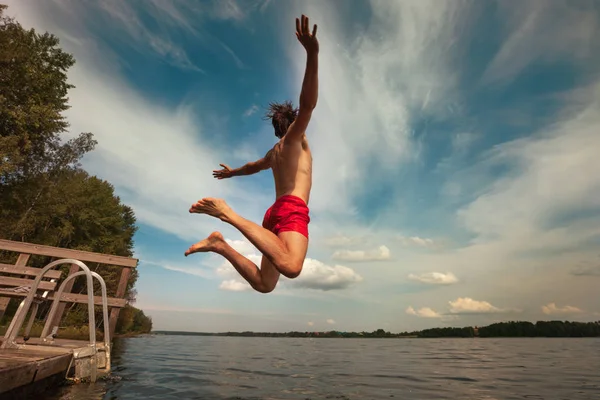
(282, 116)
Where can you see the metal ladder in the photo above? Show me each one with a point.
(92, 350)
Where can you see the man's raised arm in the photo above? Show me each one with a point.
(310, 84)
(248, 169)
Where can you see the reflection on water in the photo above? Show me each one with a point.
(188, 367)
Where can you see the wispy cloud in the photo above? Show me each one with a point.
(239, 63)
(434, 278)
(201, 272)
(466, 305)
(377, 92)
(552, 309)
(319, 276)
(587, 269)
(250, 111)
(424, 312)
(416, 241)
(380, 254)
(235, 285)
(342, 241)
(159, 307)
(330, 321)
(458, 307)
(315, 275)
(138, 35)
(510, 211)
(534, 36)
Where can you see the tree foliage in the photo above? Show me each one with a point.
(541, 329)
(33, 95)
(45, 195)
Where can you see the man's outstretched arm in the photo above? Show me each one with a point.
(310, 84)
(248, 169)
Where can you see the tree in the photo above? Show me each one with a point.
(33, 95)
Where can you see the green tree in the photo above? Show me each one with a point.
(33, 95)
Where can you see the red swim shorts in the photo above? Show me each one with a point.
(288, 213)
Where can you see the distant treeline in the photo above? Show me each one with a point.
(501, 329)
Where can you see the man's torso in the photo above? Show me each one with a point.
(291, 163)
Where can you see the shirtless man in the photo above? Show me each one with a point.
(283, 237)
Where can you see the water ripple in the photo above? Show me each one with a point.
(188, 367)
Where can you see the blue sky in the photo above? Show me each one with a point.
(455, 153)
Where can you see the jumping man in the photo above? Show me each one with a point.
(283, 237)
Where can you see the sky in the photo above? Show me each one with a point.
(456, 154)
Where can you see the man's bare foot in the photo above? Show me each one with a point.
(213, 207)
(211, 243)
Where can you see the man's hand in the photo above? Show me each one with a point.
(308, 40)
(226, 172)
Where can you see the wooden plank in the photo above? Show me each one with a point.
(29, 271)
(114, 313)
(60, 343)
(21, 262)
(72, 298)
(3, 305)
(68, 287)
(10, 281)
(16, 376)
(52, 366)
(20, 367)
(8, 363)
(83, 299)
(58, 252)
(22, 259)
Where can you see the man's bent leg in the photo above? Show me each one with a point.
(286, 252)
(262, 280)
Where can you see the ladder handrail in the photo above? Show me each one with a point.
(19, 319)
(106, 325)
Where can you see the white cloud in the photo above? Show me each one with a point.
(586, 269)
(330, 321)
(514, 210)
(416, 241)
(252, 110)
(466, 305)
(243, 246)
(341, 241)
(160, 307)
(310, 323)
(535, 33)
(315, 274)
(380, 254)
(424, 312)
(402, 62)
(201, 272)
(232, 279)
(235, 285)
(319, 276)
(434, 278)
(552, 309)
(127, 23)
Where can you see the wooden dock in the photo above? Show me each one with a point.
(24, 371)
(30, 366)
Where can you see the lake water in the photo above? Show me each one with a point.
(196, 367)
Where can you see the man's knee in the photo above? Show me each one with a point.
(291, 269)
(265, 288)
